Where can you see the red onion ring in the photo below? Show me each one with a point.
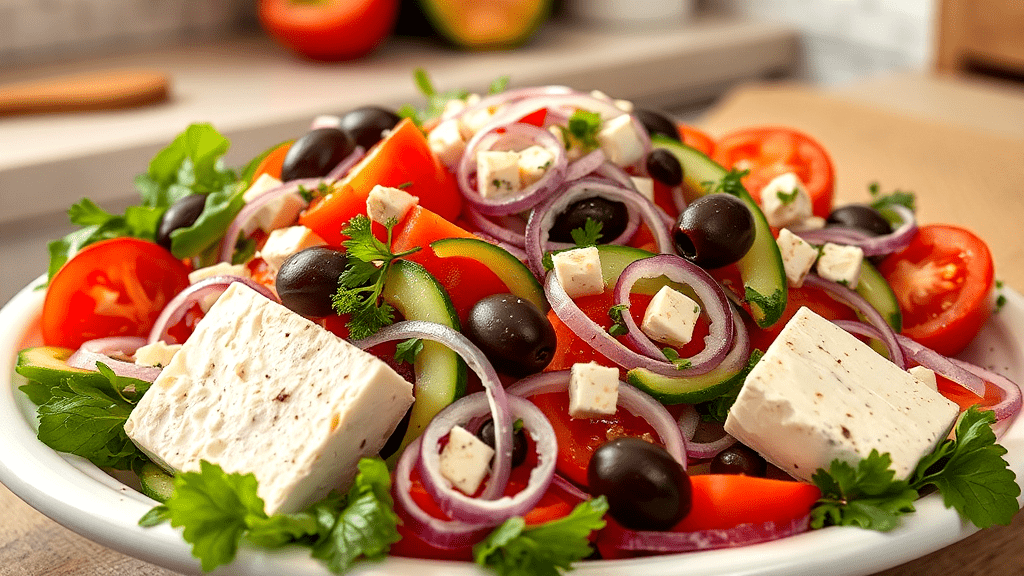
(688, 421)
(616, 174)
(99, 350)
(707, 450)
(510, 97)
(897, 240)
(635, 401)
(717, 343)
(1010, 404)
(230, 238)
(183, 301)
(664, 542)
(565, 485)
(585, 165)
(492, 228)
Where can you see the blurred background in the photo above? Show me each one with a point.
(260, 73)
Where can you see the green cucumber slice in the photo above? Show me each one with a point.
(764, 278)
(516, 276)
(440, 372)
(693, 389)
(156, 483)
(873, 287)
(48, 365)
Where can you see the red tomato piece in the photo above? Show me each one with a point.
(728, 500)
(696, 138)
(944, 283)
(769, 152)
(116, 287)
(273, 162)
(813, 298)
(329, 30)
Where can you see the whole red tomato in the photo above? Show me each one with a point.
(329, 29)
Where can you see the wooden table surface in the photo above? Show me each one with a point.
(961, 175)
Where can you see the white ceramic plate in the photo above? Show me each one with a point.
(78, 495)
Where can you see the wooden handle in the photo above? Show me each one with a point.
(102, 90)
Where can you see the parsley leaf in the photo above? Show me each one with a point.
(544, 550)
(866, 495)
(717, 409)
(882, 202)
(618, 327)
(731, 183)
(582, 130)
(787, 197)
(673, 356)
(589, 235)
(408, 350)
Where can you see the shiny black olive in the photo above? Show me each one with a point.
(739, 459)
(664, 167)
(519, 446)
(315, 153)
(308, 279)
(394, 441)
(181, 214)
(612, 215)
(861, 217)
(714, 231)
(646, 489)
(366, 125)
(515, 336)
(657, 123)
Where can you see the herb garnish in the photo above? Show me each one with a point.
(588, 235)
(618, 327)
(581, 130)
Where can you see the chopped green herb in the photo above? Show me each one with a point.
(673, 356)
(731, 183)
(407, 350)
(245, 249)
(618, 327)
(882, 202)
(787, 198)
(589, 235)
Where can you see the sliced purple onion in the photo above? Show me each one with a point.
(688, 421)
(585, 165)
(897, 240)
(567, 486)
(196, 294)
(678, 199)
(492, 228)
(616, 174)
(227, 243)
(666, 542)
(710, 449)
(510, 97)
(717, 343)
(1010, 404)
(100, 350)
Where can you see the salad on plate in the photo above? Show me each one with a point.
(523, 329)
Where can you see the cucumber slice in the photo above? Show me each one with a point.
(694, 389)
(48, 365)
(615, 258)
(516, 276)
(440, 372)
(873, 287)
(156, 483)
(764, 278)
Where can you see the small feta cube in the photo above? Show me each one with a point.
(798, 256)
(925, 375)
(284, 242)
(785, 201)
(385, 203)
(446, 142)
(156, 354)
(840, 264)
(533, 164)
(277, 213)
(473, 121)
(465, 460)
(593, 390)
(670, 317)
(572, 153)
(497, 173)
(579, 271)
(645, 186)
(218, 269)
(454, 106)
(809, 223)
(620, 142)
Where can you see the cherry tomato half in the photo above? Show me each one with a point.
(329, 29)
(769, 152)
(944, 282)
(116, 287)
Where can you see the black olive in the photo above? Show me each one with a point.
(394, 441)
(613, 217)
(181, 214)
(366, 125)
(645, 487)
(316, 153)
(519, 446)
(739, 459)
(714, 231)
(308, 279)
(861, 217)
(515, 336)
(657, 123)
(664, 167)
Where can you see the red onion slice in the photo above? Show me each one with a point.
(510, 97)
(100, 349)
(634, 401)
(616, 174)
(719, 340)
(897, 240)
(183, 301)
(709, 449)
(492, 228)
(585, 165)
(227, 243)
(666, 542)
(1009, 406)
(565, 485)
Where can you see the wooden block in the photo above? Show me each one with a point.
(101, 90)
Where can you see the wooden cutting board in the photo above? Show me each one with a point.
(101, 90)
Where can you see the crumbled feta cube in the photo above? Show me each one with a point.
(259, 389)
(465, 460)
(533, 164)
(579, 271)
(645, 186)
(670, 317)
(798, 256)
(284, 242)
(446, 142)
(925, 375)
(785, 202)
(593, 390)
(620, 142)
(385, 203)
(820, 394)
(218, 269)
(473, 121)
(840, 264)
(624, 105)
(454, 106)
(156, 354)
(809, 223)
(497, 173)
(278, 213)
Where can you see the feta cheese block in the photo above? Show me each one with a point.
(277, 213)
(798, 256)
(785, 201)
(385, 203)
(260, 389)
(840, 264)
(465, 460)
(579, 271)
(497, 173)
(670, 317)
(620, 142)
(593, 390)
(533, 164)
(446, 141)
(820, 394)
(284, 242)
(645, 186)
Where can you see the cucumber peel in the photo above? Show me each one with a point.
(513, 273)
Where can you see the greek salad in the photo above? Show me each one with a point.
(523, 329)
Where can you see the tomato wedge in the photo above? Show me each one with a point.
(696, 138)
(116, 287)
(769, 152)
(944, 283)
(273, 162)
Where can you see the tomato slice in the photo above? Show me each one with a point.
(273, 162)
(769, 152)
(813, 298)
(944, 283)
(696, 138)
(116, 287)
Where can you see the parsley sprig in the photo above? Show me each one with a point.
(589, 235)
(618, 327)
(882, 202)
(361, 284)
(581, 130)
(731, 183)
